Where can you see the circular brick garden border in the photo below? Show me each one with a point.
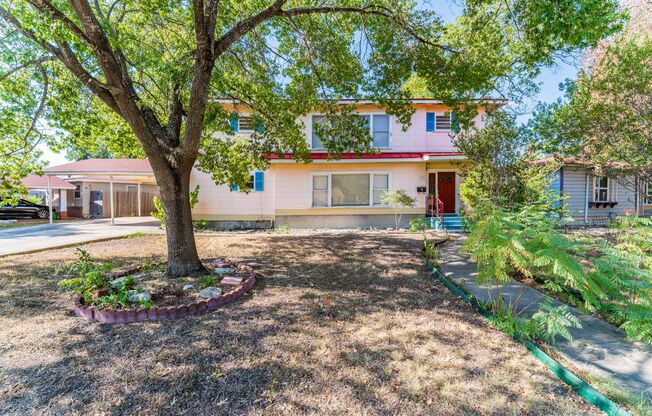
(155, 313)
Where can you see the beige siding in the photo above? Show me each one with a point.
(218, 202)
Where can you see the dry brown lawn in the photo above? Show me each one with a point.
(337, 324)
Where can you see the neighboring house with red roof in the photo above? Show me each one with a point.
(96, 183)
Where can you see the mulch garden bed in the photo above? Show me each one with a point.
(176, 299)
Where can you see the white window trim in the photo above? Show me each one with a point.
(131, 186)
(595, 179)
(450, 121)
(81, 192)
(355, 172)
(253, 180)
(647, 197)
(371, 115)
(240, 129)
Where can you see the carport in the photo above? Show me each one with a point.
(134, 170)
(35, 183)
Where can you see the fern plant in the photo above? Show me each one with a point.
(613, 280)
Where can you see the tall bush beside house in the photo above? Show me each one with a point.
(400, 200)
(501, 170)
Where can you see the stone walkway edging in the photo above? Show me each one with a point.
(155, 313)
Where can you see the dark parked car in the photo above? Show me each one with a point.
(25, 209)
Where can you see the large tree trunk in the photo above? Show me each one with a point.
(183, 259)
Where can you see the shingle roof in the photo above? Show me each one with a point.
(103, 166)
(36, 181)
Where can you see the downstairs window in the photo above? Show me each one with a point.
(349, 189)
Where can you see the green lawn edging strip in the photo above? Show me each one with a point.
(593, 396)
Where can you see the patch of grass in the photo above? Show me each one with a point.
(135, 235)
(635, 405)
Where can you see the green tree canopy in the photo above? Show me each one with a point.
(607, 114)
(142, 71)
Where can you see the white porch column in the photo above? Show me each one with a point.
(112, 202)
(63, 202)
(139, 214)
(50, 198)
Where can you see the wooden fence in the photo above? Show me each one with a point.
(126, 203)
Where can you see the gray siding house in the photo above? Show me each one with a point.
(592, 198)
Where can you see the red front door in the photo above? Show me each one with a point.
(446, 190)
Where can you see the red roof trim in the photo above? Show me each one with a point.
(384, 155)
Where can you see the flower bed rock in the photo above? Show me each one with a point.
(154, 312)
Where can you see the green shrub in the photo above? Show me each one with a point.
(200, 224)
(94, 278)
(401, 200)
(159, 212)
(546, 324)
(208, 281)
(419, 224)
(595, 276)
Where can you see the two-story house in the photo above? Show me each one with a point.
(346, 193)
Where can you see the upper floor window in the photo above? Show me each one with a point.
(601, 189)
(244, 123)
(440, 122)
(379, 129)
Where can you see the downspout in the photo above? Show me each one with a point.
(561, 191)
(637, 204)
(586, 201)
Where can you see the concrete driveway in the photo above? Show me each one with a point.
(45, 236)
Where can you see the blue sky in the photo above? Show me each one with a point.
(548, 81)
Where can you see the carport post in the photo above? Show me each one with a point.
(112, 204)
(50, 198)
(139, 199)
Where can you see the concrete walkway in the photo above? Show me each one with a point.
(46, 236)
(598, 347)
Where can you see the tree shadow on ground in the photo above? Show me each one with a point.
(341, 324)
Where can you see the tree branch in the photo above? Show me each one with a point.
(64, 54)
(41, 105)
(36, 61)
(245, 26)
(366, 10)
(57, 14)
(176, 116)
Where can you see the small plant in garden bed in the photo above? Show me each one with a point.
(94, 285)
(99, 287)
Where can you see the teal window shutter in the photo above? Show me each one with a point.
(234, 188)
(259, 181)
(259, 127)
(430, 121)
(233, 120)
(455, 122)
